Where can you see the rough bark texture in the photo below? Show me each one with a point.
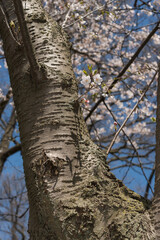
(72, 194)
(156, 201)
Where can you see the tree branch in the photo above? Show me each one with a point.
(135, 3)
(134, 108)
(80, 19)
(140, 163)
(5, 26)
(149, 183)
(9, 152)
(118, 78)
(5, 101)
(35, 68)
(4, 145)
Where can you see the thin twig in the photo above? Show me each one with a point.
(149, 183)
(140, 163)
(135, 3)
(67, 15)
(134, 56)
(22, 215)
(86, 15)
(134, 108)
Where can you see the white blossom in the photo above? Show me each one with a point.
(97, 79)
(86, 80)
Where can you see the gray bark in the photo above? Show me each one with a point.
(72, 194)
(156, 201)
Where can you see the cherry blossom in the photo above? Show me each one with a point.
(86, 80)
(97, 79)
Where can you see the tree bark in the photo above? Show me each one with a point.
(72, 194)
(156, 201)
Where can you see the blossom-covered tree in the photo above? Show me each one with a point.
(114, 56)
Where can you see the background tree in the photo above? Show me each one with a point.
(101, 88)
(13, 205)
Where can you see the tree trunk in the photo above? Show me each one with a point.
(72, 194)
(156, 201)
